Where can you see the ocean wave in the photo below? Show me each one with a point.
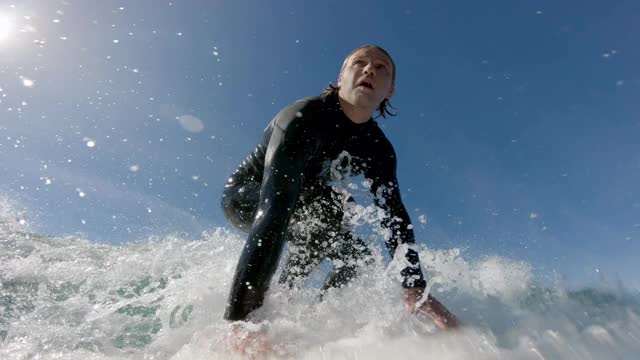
(164, 298)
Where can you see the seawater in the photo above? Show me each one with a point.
(163, 298)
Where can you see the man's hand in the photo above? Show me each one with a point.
(252, 343)
(430, 306)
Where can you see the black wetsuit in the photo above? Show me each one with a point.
(286, 181)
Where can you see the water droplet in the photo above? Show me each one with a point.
(27, 82)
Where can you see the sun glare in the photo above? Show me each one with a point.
(6, 27)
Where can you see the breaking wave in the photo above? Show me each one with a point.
(67, 297)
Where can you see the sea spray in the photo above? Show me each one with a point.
(67, 297)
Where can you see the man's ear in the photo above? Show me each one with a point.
(391, 91)
(339, 79)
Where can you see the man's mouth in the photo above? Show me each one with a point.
(365, 84)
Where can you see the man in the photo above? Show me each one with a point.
(283, 191)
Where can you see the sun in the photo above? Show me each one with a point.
(6, 27)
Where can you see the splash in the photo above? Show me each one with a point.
(164, 298)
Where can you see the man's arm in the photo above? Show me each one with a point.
(398, 223)
(281, 184)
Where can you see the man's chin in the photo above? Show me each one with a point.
(363, 100)
(366, 102)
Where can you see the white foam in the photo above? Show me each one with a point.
(165, 298)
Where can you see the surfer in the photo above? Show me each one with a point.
(282, 192)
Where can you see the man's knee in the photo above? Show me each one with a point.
(341, 277)
(300, 262)
(239, 205)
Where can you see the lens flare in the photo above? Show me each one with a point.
(6, 27)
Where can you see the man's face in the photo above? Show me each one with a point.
(366, 78)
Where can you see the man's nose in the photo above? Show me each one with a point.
(369, 69)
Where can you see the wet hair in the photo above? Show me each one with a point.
(383, 107)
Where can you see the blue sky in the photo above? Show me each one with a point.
(516, 132)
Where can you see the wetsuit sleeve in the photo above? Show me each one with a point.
(397, 222)
(281, 183)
